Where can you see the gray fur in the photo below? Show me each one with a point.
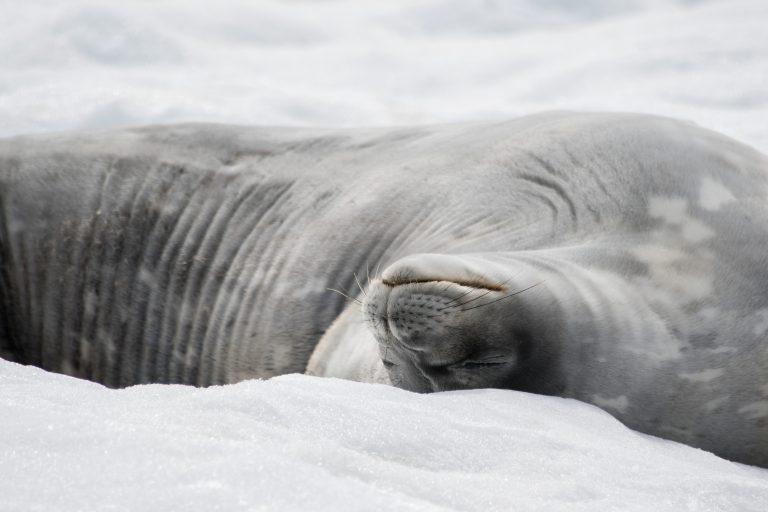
(202, 254)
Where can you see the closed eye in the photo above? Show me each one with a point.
(474, 364)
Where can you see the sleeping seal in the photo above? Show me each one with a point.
(613, 258)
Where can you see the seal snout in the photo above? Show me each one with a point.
(416, 314)
(415, 297)
(437, 322)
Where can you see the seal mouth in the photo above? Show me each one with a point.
(406, 311)
(472, 283)
(470, 271)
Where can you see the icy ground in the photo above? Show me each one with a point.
(304, 443)
(300, 443)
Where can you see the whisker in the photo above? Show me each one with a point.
(356, 301)
(448, 304)
(459, 297)
(504, 297)
(472, 299)
(358, 284)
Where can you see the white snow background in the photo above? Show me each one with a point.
(302, 443)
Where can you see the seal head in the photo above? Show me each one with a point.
(448, 322)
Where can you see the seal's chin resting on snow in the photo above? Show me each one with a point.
(617, 259)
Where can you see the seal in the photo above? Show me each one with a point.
(618, 259)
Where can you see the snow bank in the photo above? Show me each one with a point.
(299, 443)
(304, 443)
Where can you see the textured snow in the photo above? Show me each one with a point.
(306, 443)
(302, 443)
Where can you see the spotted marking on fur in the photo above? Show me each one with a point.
(713, 195)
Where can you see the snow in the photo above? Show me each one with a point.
(306, 443)
(302, 443)
(80, 64)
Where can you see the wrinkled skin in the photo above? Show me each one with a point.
(614, 258)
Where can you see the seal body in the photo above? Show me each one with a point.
(614, 258)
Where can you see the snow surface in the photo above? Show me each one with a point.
(302, 443)
(307, 443)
